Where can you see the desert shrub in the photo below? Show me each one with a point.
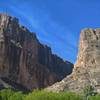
(87, 92)
(88, 89)
(43, 95)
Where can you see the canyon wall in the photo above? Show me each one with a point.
(87, 67)
(24, 60)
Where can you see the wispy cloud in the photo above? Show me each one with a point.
(62, 40)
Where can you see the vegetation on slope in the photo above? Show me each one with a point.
(8, 94)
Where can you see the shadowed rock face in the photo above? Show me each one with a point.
(24, 60)
(87, 67)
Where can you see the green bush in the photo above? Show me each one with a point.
(17, 96)
(8, 94)
(43, 95)
(5, 94)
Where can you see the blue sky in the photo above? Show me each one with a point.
(57, 23)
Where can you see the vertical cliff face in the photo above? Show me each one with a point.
(24, 60)
(89, 49)
(87, 67)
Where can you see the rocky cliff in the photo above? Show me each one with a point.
(87, 67)
(24, 60)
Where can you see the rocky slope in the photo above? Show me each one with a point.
(6, 83)
(24, 60)
(87, 67)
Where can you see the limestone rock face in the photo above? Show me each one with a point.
(87, 67)
(24, 60)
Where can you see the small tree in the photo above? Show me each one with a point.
(88, 91)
